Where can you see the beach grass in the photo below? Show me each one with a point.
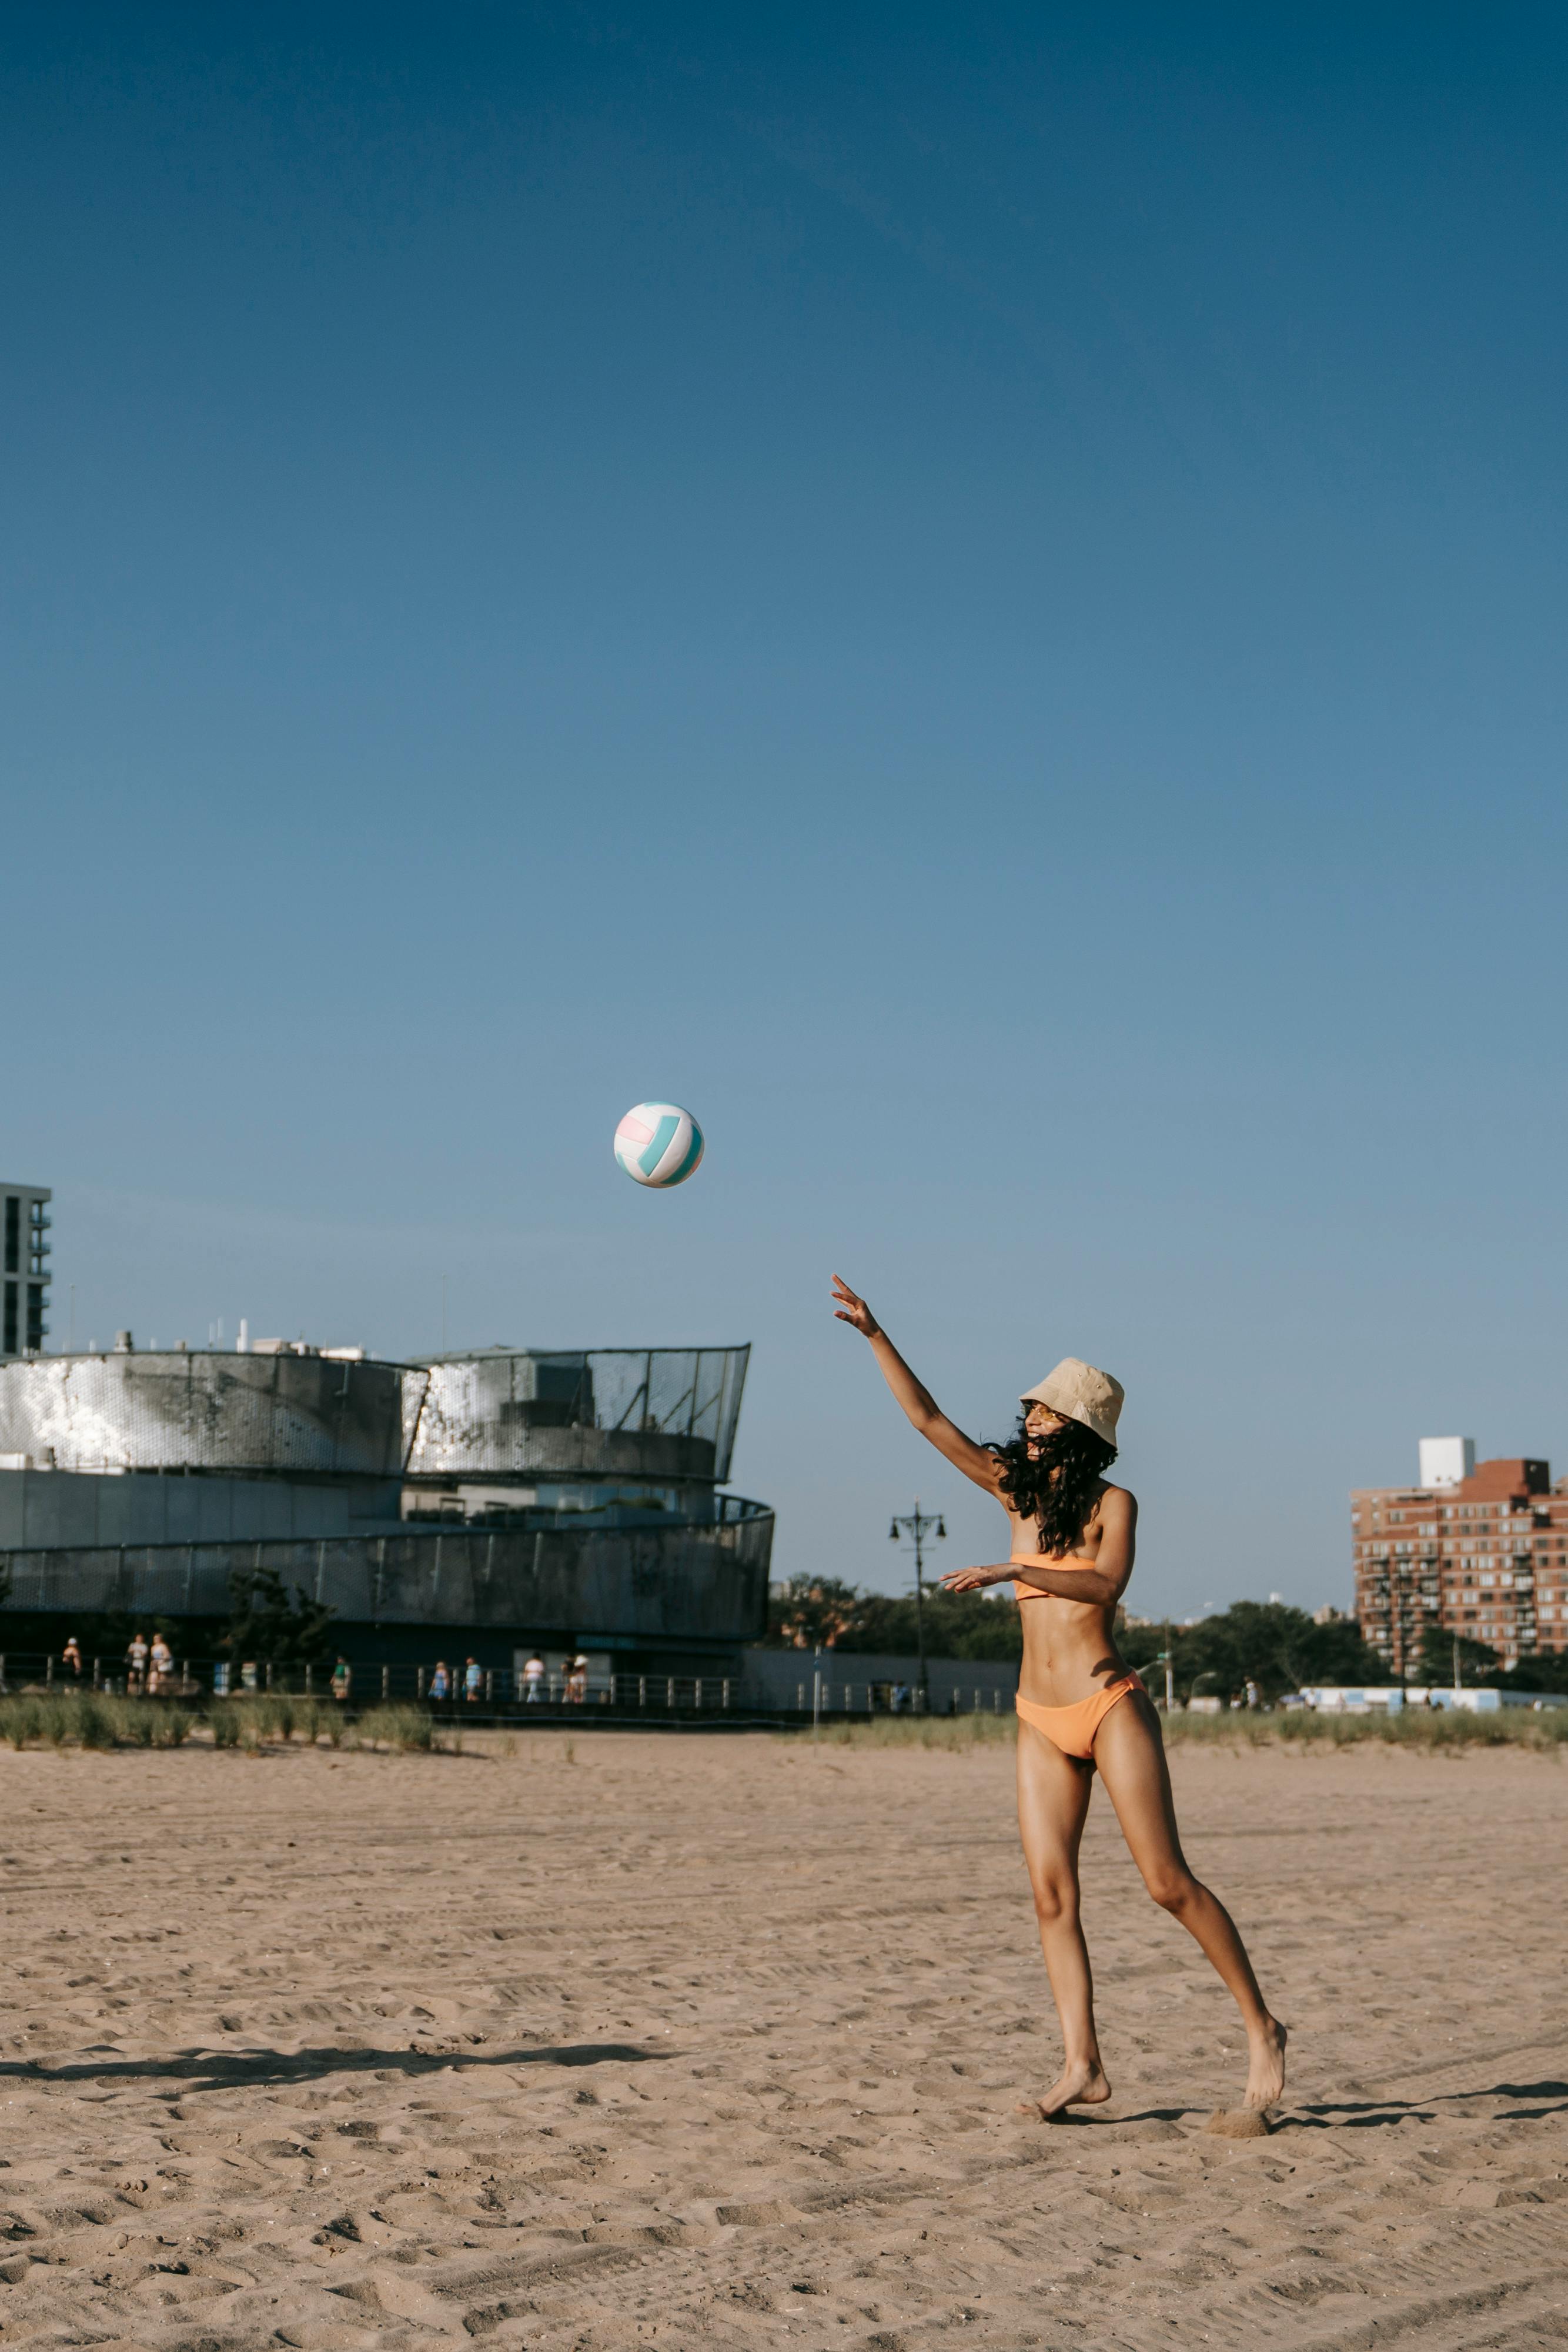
(1413, 1727)
(1437, 1729)
(90, 1719)
(955, 1733)
(250, 1722)
(402, 1730)
(254, 1721)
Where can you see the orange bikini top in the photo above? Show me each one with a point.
(1052, 1560)
(1046, 1559)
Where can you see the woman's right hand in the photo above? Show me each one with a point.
(975, 1580)
(848, 1309)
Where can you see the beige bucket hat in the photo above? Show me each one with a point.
(1080, 1392)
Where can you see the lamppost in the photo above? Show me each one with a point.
(919, 1524)
(1168, 1659)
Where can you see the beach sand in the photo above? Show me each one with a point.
(715, 2041)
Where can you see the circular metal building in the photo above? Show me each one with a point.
(249, 1414)
(654, 1413)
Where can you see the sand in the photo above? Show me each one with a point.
(714, 2042)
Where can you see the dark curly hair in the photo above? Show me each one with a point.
(1054, 1483)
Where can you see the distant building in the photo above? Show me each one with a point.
(1447, 1461)
(1482, 1553)
(25, 1254)
(518, 1499)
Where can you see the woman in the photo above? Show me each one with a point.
(1080, 1711)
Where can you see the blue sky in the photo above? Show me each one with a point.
(977, 594)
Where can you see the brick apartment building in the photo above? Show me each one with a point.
(1479, 1548)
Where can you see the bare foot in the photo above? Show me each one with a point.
(1266, 2066)
(1084, 2085)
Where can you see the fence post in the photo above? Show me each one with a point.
(386, 1682)
(269, 1674)
(490, 1676)
(724, 1691)
(96, 1664)
(419, 1682)
(697, 1694)
(642, 1690)
(799, 1698)
(49, 1669)
(669, 1689)
(310, 1686)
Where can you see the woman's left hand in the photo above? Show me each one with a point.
(973, 1579)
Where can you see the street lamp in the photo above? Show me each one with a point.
(1168, 1659)
(919, 1524)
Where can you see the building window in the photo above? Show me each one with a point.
(13, 1235)
(36, 1323)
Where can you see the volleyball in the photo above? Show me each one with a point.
(658, 1143)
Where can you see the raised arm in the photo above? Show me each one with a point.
(976, 1462)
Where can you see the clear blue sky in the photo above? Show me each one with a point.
(976, 593)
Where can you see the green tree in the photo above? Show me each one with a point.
(808, 1609)
(1264, 1642)
(265, 1625)
(1435, 1663)
(1538, 1670)
(957, 1625)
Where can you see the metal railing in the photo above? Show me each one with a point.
(497, 1692)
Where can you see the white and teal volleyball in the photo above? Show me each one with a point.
(658, 1143)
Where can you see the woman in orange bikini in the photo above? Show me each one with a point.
(1080, 1711)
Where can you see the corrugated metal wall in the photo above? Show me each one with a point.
(203, 1412)
(678, 1582)
(654, 1412)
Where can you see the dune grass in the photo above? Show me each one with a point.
(247, 1723)
(1439, 1730)
(253, 1722)
(90, 1719)
(1414, 1726)
(952, 1732)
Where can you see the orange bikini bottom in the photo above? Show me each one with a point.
(1073, 1728)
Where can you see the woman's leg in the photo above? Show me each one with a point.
(1131, 1757)
(1053, 1802)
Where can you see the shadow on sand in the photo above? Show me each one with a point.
(220, 2069)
